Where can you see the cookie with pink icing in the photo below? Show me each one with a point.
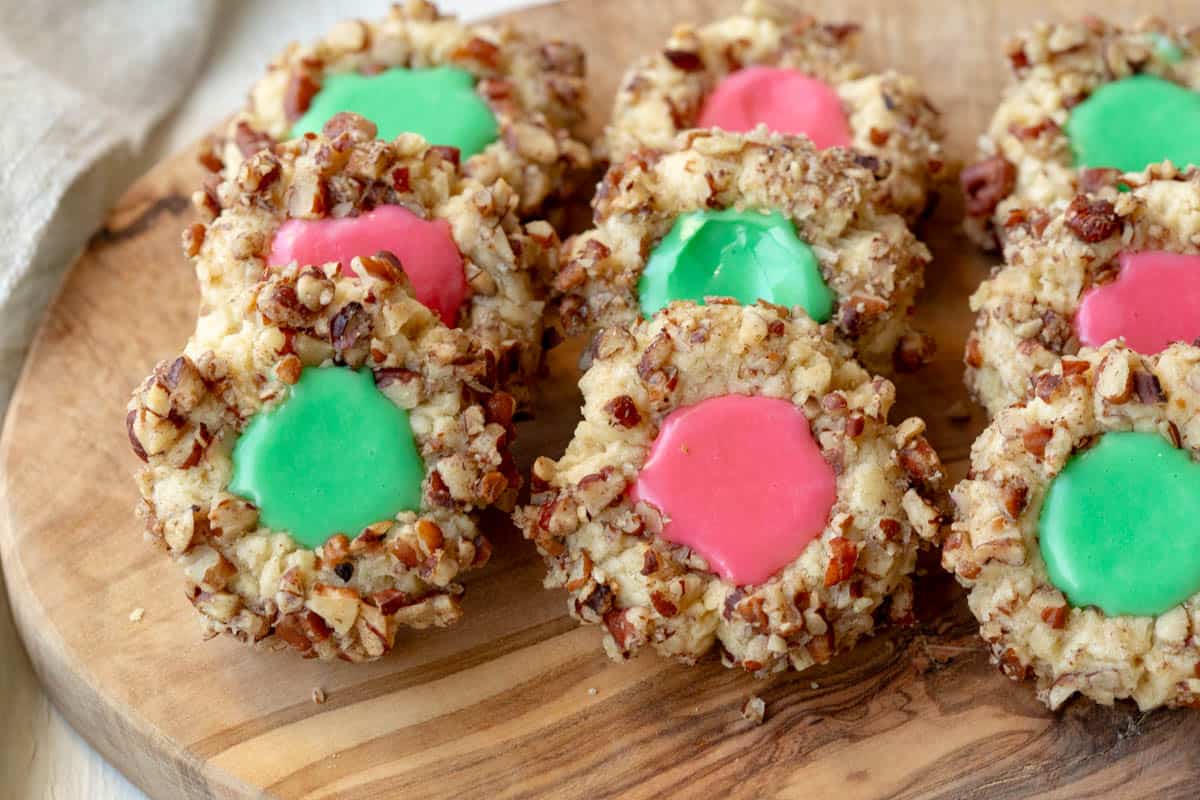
(343, 197)
(425, 249)
(793, 74)
(734, 480)
(774, 460)
(1108, 266)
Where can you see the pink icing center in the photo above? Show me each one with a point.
(1154, 301)
(741, 482)
(785, 100)
(425, 248)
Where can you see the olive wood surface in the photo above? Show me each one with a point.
(518, 700)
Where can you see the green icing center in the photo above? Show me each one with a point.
(746, 255)
(335, 456)
(439, 103)
(1118, 526)
(1134, 122)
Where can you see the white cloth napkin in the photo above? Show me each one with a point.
(81, 85)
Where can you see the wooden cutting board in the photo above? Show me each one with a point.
(517, 700)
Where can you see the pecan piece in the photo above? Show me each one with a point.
(656, 355)
(1012, 665)
(1092, 220)
(623, 411)
(663, 605)
(1147, 388)
(430, 535)
(405, 553)
(348, 326)
(855, 424)
(890, 528)
(193, 239)
(383, 266)
(250, 141)
(1046, 385)
(974, 352)
(986, 183)
(1035, 438)
(600, 600)
(1035, 131)
(685, 60)
(841, 31)
(138, 450)
(400, 179)
(439, 492)
(753, 612)
(858, 313)
(1016, 496)
(1074, 366)
(447, 153)
(1116, 379)
(843, 554)
(1095, 179)
(492, 487)
(479, 50)
(390, 375)
(731, 603)
(1055, 616)
(298, 96)
(920, 461)
(290, 630)
(913, 351)
(288, 369)
(621, 629)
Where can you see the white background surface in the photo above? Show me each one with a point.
(54, 762)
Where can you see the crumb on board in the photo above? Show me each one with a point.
(754, 709)
(318, 695)
(593, 691)
(137, 614)
(958, 411)
(814, 685)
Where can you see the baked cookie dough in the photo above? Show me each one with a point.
(769, 65)
(508, 102)
(342, 193)
(734, 480)
(751, 216)
(1109, 264)
(1075, 530)
(315, 472)
(1090, 100)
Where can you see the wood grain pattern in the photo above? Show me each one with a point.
(501, 705)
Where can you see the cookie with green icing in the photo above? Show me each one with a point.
(1075, 530)
(508, 102)
(440, 104)
(1089, 101)
(315, 472)
(746, 255)
(744, 217)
